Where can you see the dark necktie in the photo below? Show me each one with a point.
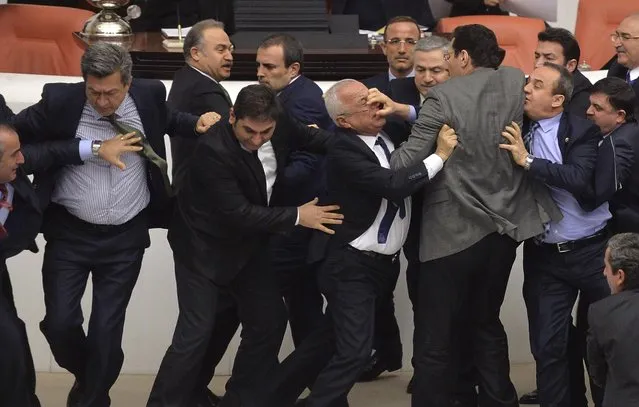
(147, 151)
(529, 137)
(226, 94)
(628, 78)
(391, 207)
(4, 203)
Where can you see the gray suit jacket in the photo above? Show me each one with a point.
(480, 190)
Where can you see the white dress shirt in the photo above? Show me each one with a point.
(399, 228)
(266, 154)
(98, 192)
(4, 212)
(634, 74)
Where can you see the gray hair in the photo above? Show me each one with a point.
(102, 59)
(564, 85)
(334, 105)
(195, 36)
(624, 255)
(432, 43)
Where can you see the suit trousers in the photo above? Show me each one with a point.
(17, 373)
(460, 296)
(206, 324)
(113, 256)
(552, 281)
(298, 282)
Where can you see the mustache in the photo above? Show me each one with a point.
(620, 49)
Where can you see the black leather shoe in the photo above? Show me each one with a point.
(376, 367)
(530, 398)
(409, 388)
(73, 400)
(208, 400)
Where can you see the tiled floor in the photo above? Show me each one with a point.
(133, 390)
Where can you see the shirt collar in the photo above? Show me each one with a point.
(634, 74)
(205, 74)
(547, 125)
(392, 77)
(119, 112)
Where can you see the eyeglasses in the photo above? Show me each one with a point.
(396, 42)
(616, 36)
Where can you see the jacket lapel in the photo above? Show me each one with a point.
(251, 161)
(564, 138)
(22, 187)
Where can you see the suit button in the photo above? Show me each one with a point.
(567, 139)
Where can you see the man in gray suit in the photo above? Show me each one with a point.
(474, 215)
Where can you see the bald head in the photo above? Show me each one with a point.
(10, 155)
(626, 42)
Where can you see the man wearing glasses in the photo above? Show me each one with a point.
(400, 36)
(626, 42)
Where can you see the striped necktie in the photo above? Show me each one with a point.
(4, 203)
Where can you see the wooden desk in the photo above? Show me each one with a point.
(152, 60)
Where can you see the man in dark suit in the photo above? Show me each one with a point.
(626, 42)
(98, 219)
(566, 260)
(196, 89)
(476, 7)
(374, 14)
(559, 46)
(400, 36)
(617, 171)
(614, 325)
(279, 66)
(220, 238)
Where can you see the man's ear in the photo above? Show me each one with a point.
(341, 122)
(294, 69)
(558, 100)
(232, 118)
(571, 65)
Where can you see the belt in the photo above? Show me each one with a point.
(66, 217)
(565, 247)
(374, 255)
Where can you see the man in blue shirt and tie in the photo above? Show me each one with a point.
(559, 150)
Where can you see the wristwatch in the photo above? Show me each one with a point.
(95, 147)
(528, 162)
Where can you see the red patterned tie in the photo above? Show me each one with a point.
(4, 203)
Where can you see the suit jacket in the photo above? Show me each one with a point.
(612, 347)
(304, 175)
(480, 190)
(616, 178)
(222, 217)
(473, 8)
(619, 71)
(580, 100)
(57, 116)
(379, 81)
(193, 93)
(357, 182)
(402, 90)
(5, 113)
(578, 140)
(24, 221)
(419, 10)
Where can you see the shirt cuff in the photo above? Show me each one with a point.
(297, 220)
(434, 164)
(412, 114)
(85, 149)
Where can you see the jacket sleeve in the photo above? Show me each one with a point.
(43, 156)
(423, 137)
(575, 174)
(306, 138)
(31, 123)
(597, 366)
(211, 173)
(5, 113)
(361, 173)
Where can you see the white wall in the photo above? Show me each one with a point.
(153, 309)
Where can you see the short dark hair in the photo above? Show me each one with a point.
(292, 47)
(564, 85)
(195, 36)
(624, 255)
(402, 19)
(481, 44)
(620, 95)
(102, 59)
(563, 37)
(257, 102)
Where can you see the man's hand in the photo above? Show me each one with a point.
(206, 121)
(315, 217)
(376, 98)
(112, 149)
(516, 147)
(446, 142)
(492, 3)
